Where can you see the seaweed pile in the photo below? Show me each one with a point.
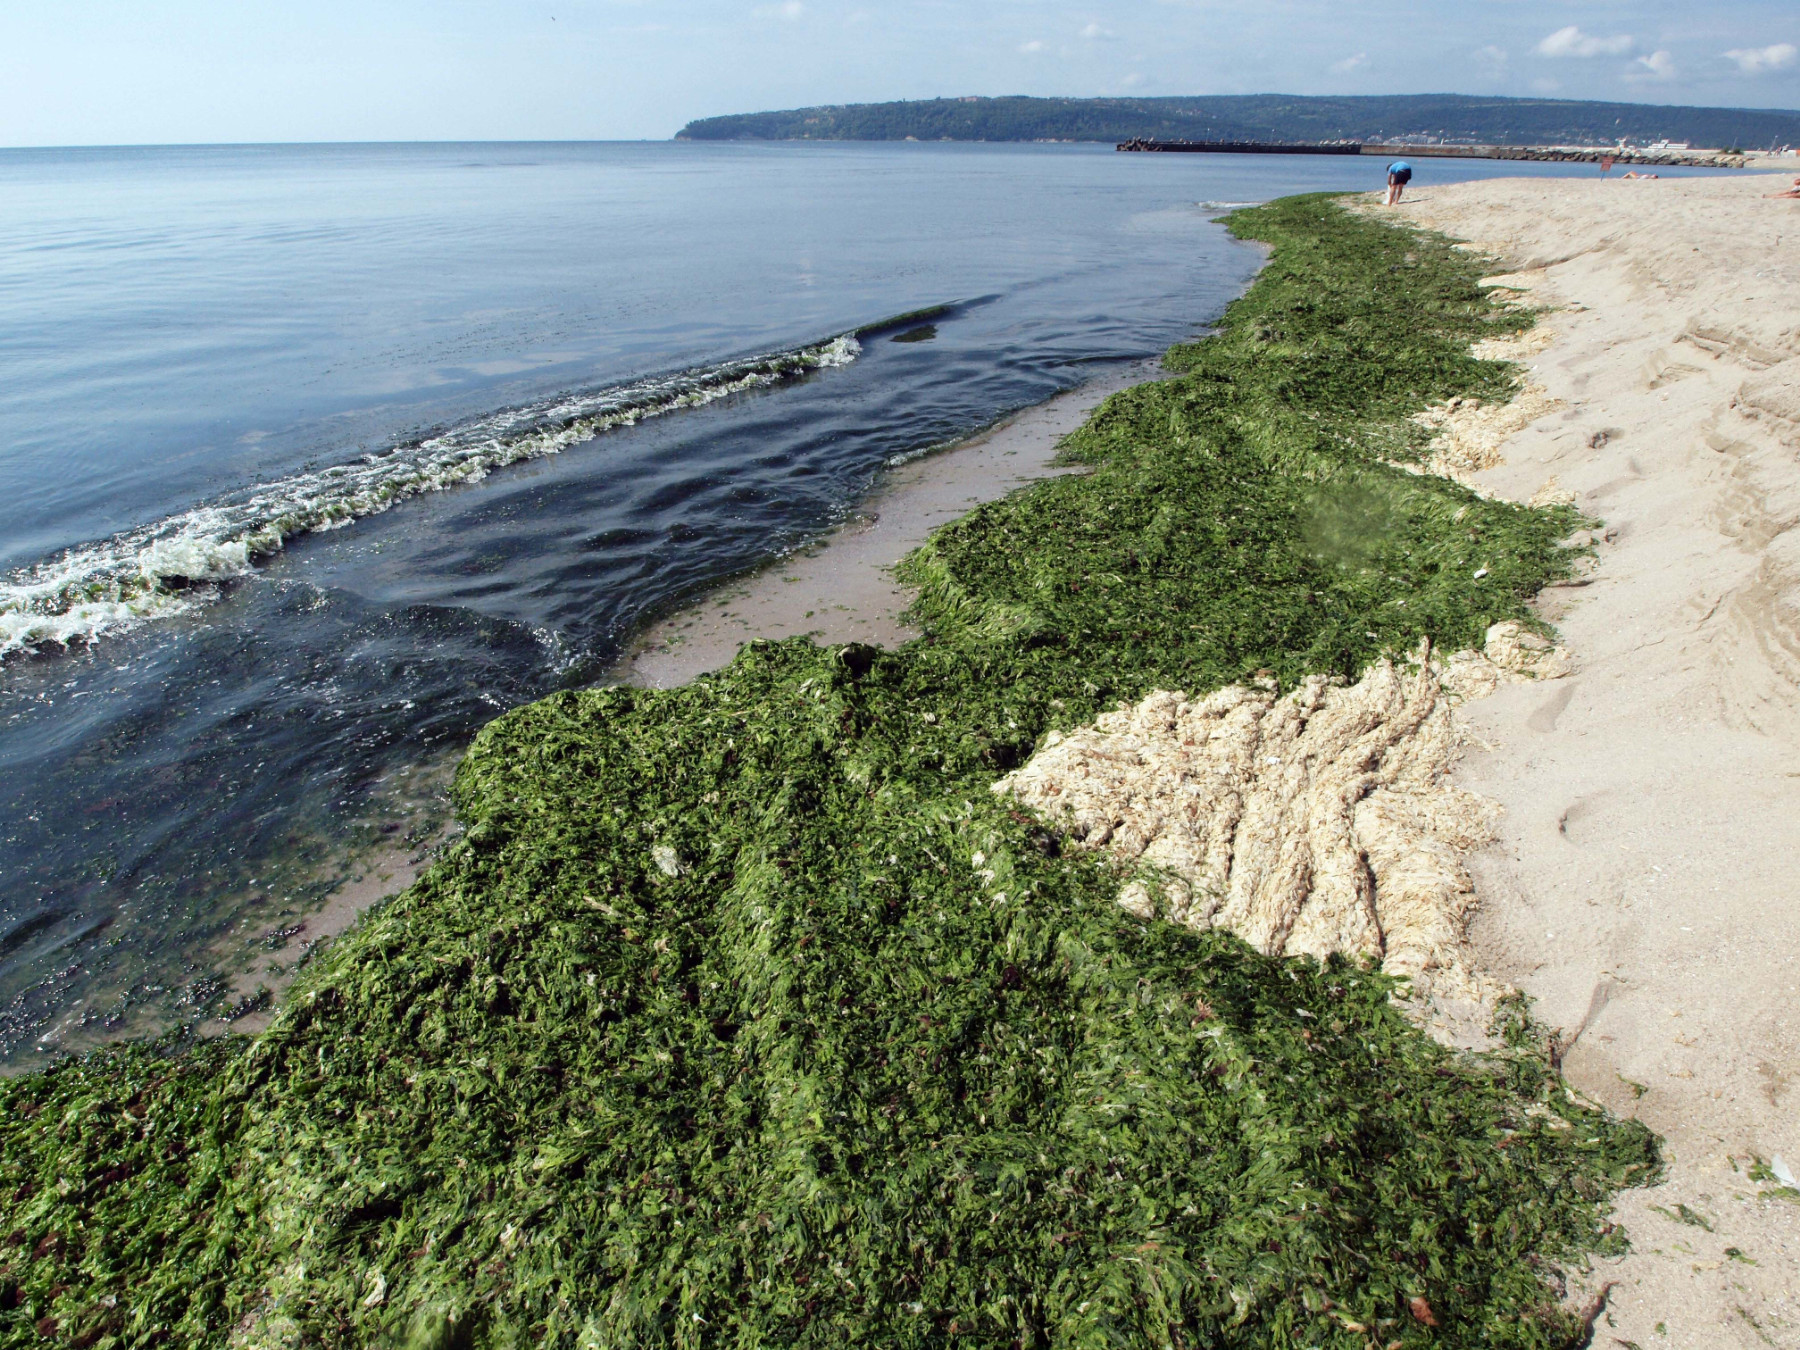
(745, 1014)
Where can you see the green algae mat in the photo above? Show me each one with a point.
(745, 1015)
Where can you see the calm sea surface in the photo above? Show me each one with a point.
(313, 459)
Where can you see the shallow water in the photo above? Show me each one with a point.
(313, 459)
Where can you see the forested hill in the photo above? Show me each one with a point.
(1262, 117)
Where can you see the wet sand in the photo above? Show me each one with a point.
(264, 961)
(843, 588)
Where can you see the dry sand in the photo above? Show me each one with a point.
(1645, 889)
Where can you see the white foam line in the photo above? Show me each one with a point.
(153, 571)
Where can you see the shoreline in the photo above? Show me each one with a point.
(841, 587)
(1641, 889)
(256, 960)
(237, 975)
(258, 985)
(856, 560)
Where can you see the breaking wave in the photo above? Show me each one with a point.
(174, 564)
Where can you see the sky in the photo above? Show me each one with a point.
(113, 72)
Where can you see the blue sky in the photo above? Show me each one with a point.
(147, 71)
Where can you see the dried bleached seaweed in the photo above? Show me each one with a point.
(1320, 823)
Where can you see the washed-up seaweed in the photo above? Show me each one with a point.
(744, 1014)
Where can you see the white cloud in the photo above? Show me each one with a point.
(1656, 66)
(1494, 58)
(1571, 41)
(1350, 63)
(1756, 60)
(789, 10)
(1033, 46)
(1094, 32)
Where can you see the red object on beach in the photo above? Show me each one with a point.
(1606, 163)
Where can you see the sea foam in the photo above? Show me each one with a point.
(165, 568)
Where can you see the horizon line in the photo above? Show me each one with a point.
(299, 144)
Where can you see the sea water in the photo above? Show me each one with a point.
(313, 459)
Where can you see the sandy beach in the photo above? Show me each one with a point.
(1643, 890)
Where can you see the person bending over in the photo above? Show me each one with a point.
(1399, 175)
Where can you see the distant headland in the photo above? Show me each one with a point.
(1418, 118)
